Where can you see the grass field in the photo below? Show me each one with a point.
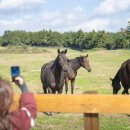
(104, 65)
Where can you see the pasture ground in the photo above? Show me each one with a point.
(104, 65)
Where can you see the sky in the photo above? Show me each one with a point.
(64, 15)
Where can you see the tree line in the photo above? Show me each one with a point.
(79, 39)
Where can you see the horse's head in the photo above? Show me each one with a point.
(84, 62)
(116, 86)
(62, 59)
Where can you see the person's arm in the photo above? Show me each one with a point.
(22, 119)
(21, 84)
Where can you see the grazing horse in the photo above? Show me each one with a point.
(73, 66)
(123, 76)
(52, 76)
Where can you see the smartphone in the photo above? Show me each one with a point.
(15, 71)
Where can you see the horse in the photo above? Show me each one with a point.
(52, 76)
(122, 76)
(73, 66)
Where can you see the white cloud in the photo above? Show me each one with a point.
(49, 16)
(56, 20)
(64, 18)
(9, 4)
(12, 22)
(19, 24)
(75, 14)
(10, 25)
(94, 24)
(112, 6)
(79, 9)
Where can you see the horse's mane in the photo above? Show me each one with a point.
(74, 59)
(117, 75)
(55, 62)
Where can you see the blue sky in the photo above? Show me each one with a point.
(64, 15)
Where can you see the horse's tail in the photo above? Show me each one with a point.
(41, 72)
(44, 66)
(42, 69)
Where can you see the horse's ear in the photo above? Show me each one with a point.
(111, 79)
(86, 55)
(58, 50)
(65, 51)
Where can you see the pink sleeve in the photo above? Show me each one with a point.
(19, 119)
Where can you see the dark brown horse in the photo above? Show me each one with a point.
(52, 76)
(123, 76)
(73, 66)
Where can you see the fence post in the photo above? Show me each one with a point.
(91, 120)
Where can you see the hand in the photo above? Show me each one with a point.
(19, 80)
(21, 83)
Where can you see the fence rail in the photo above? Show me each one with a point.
(89, 104)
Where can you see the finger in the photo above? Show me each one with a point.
(17, 78)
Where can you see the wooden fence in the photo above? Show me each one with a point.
(89, 104)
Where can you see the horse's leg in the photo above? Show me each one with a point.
(44, 88)
(125, 86)
(60, 90)
(126, 91)
(66, 84)
(72, 85)
(45, 91)
(123, 91)
(49, 91)
(53, 91)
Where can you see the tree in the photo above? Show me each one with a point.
(90, 40)
(128, 34)
(101, 38)
(79, 38)
(68, 39)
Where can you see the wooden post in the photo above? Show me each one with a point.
(91, 120)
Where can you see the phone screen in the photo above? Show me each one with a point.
(15, 71)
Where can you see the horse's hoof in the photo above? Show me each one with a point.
(49, 113)
(57, 112)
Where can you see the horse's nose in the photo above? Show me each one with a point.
(89, 69)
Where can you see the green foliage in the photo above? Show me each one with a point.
(79, 39)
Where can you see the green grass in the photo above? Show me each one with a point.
(104, 65)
